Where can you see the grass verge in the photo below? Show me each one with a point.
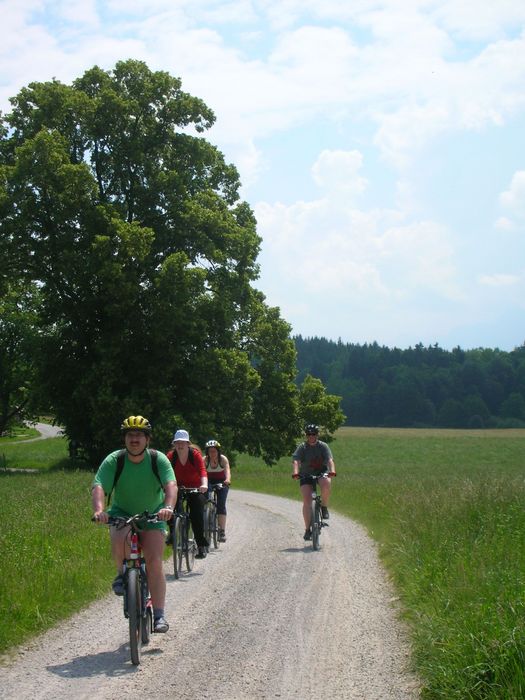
(446, 507)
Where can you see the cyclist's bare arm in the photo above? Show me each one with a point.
(227, 472)
(296, 466)
(97, 500)
(170, 499)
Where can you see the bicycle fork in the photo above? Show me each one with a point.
(136, 561)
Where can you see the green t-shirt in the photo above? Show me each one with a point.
(138, 488)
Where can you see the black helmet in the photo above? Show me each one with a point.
(311, 429)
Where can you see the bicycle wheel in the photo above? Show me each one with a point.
(147, 625)
(146, 608)
(176, 541)
(316, 523)
(134, 615)
(215, 527)
(208, 520)
(190, 545)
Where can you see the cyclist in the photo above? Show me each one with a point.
(218, 468)
(313, 457)
(138, 489)
(190, 471)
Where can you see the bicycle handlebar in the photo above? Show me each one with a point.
(313, 476)
(120, 521)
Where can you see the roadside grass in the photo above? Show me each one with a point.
(447, 509)
(53, 561)
(40, 454)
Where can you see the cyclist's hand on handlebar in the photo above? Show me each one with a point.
(332, 474)
(296, 476)
(165, 514)
(100, 517)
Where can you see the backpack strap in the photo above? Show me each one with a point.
(154, 465)
(121, 460)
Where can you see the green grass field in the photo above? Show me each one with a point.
(446, 508)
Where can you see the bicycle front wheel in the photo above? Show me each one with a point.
(176, 541)
(190, 546)
(134, 615)
(147, 625)
(215, 527)
(208, 520)
(316, 523)
(210, 523)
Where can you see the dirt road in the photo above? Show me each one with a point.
(263, 617)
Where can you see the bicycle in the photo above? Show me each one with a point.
(138, 607)
(211, 521)
(317, 522)
(181, 534)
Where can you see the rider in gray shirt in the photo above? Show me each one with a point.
(313, 457)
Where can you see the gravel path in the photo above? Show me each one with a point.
(262, 617)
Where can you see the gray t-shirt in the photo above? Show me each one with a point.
(313, 458)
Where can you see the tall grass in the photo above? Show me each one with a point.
(448, 510)
(39, 454)
(446, 507)
(53, 560)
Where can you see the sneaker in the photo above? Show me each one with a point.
(325, 512)
(307, 534)
(222, 536)
(118, 585)
(201, 554)
(160, 625)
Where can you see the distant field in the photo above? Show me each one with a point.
(447, 508)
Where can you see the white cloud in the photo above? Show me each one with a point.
(505, 224)
(513, 199)
(499, 280)
(338, 171)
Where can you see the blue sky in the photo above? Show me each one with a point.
(380, 143)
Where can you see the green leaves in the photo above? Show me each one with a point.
(131, 229)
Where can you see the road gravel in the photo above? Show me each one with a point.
(262, 617)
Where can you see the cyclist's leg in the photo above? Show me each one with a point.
(222, 494)
(119, 544)
(306, 492)
(152, 542)
(325, 486)
(197, 501)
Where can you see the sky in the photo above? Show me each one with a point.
(380, 144)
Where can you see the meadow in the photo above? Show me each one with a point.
(447, 509)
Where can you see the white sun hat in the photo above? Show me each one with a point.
(181, 435)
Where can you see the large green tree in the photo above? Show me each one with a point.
(130, 224)
(18, 344)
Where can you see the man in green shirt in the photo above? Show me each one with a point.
(138, 489)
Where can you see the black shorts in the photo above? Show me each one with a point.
(308, 480)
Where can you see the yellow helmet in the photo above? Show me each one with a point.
(136, 423)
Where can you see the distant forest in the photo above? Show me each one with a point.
(421, 386)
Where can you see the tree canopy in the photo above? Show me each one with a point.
(129, 224)
(419, 386)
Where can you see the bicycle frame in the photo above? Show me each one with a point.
(211, 527)
(138, 607)
(316, 515)
(182, 534)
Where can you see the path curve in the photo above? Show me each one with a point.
(262, 617)
(45, 430)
